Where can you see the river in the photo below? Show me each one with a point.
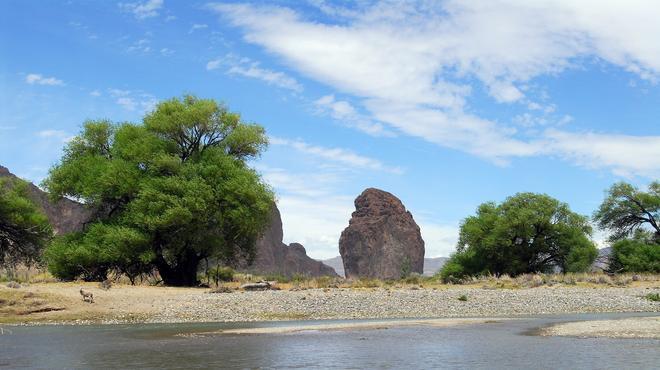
(499, 345)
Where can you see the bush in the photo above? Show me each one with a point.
(635, 255)
(463, 298)
(219, 274)
(103, 248)
(456, 268)
(655, 297)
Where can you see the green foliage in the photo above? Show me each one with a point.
(24, 229)
(655, 297)
(99, 250)
(635, 255)
(173, 191)
(220, 273)
(406, 267)
(463, 298)
(526, 233)
(459, 265)
(627, 209)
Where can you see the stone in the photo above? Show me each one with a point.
(275, 257)
(382, 239)
(64, 215)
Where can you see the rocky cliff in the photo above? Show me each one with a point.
(382, 239)
(275, 257)
(64, 214)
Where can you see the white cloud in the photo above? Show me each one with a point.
(213, 64)
(197, 27)
(37, 79)
(248, 68)
(127, 103)
(95, 93)
(625, 155)
(60, 135)
(340, 155)
(142, 45)
(300, 197)
(133, 100)
(413, 65)
(439, 239)
(344, 112)
(166, 52)
(143, 10)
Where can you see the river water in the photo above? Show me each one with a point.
(499, 345)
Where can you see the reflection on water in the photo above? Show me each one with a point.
(504, 344)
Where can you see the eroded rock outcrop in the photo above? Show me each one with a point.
(275, 257)
(64, 214)
(382, 240)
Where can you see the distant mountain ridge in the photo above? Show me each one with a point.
(431, 265)
(63, 214)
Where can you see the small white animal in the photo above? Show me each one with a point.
(87, 296)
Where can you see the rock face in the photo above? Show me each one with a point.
(275, 257)
(64, 214)
(382, 240)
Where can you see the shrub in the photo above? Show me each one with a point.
(655, 297)
(463, 298)
(277, 277)
(220, 273)
(635, 255)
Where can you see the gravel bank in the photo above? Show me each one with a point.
(637, 327)
(382, 303)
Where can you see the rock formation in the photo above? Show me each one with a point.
(275, 257)
(64, 214)
(382, 240)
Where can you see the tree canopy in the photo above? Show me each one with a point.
(24, 229)
(526, 233)
(167, 193)
(637, 254)
(627, 209)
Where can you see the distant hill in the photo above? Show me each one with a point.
(431, 265)
(336, 263)
(603, 259)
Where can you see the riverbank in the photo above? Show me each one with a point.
(49, 303)
(635, 327)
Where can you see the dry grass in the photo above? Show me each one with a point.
(594, 279)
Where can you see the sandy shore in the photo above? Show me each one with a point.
(369, 325)
(637, 327)
(61, 303)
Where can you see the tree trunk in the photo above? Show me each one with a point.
(184, 273)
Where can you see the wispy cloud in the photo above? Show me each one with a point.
(196, 27)
(248, 68)
(166, 52)
(133, 100)
(59, 135)
(143, 10)
(339, 155)
(37, 79)
(346, 113)
(412, 65)
(141, 45)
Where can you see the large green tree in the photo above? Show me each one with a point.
(168, 193)
(526, 233)
(627, 209)
(24, 229)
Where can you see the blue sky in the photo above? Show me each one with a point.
(446, 104)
